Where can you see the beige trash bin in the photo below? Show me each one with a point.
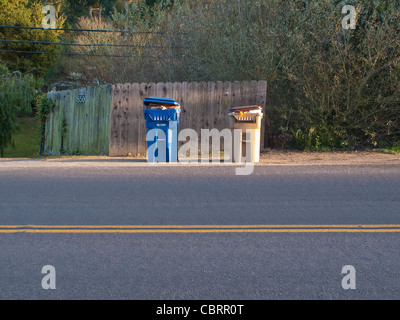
(247, 117)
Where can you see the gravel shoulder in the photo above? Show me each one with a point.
(340, 158)
(266, 158)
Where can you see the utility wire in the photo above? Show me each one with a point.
(75, 54)
(81, 30)
(84, 44)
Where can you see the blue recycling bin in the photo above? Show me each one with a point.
(162, 124)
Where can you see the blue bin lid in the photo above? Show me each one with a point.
(161, 101)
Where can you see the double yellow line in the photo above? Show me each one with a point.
(198, 228)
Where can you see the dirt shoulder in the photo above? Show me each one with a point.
(297, 157)
(266, 158)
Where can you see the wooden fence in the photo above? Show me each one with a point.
(111, 120)
(79, 128)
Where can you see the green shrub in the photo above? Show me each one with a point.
(396, 146)
(7, 116)
(16, 95)
(44, 107)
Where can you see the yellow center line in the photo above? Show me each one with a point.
(353, 226)
(201, 229)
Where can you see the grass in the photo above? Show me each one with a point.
(395, 149)
(26, 140)
(390, 151)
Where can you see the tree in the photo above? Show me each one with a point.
(27, 13)
(75, 9)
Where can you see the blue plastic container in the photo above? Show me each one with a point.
(160, 101)
(162, 133)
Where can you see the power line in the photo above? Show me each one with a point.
(66, 44)
(79, 54)
(67, 54)
(81, 30)
(84, 44)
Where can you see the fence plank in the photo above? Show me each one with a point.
(152, 89)
(185, 113)
(114, 120)
(96, 124)
(62, 119)
(236, 94)
(83, 114)
(161, 90)
(90, 121)
(133, 118)
(72, 124)
(253, 92)
(56, 123)
(219, 102)
(245, 93)
(227, 104)
(210, 100)
(262, 101)
(50, 120)
(48, 129)
(100, 119)
(107, 127)
(124, 121)
(141, 125)
(67, 114)
(203, 106)
(169, 90)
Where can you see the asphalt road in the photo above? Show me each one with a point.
(197, 265)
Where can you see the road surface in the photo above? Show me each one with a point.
(125, 229)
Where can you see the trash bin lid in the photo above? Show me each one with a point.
(246, 113)
(251, 109)
(161, 102)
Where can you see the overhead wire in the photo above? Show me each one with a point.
(75, 54)
(84, 44)
(78, 44)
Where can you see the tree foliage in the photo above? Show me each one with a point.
(27, 13)
(327, 87)
(76, 9)
(17, 92)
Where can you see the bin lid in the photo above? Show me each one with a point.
(161, 102)
(251, 109)
(246, 113)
